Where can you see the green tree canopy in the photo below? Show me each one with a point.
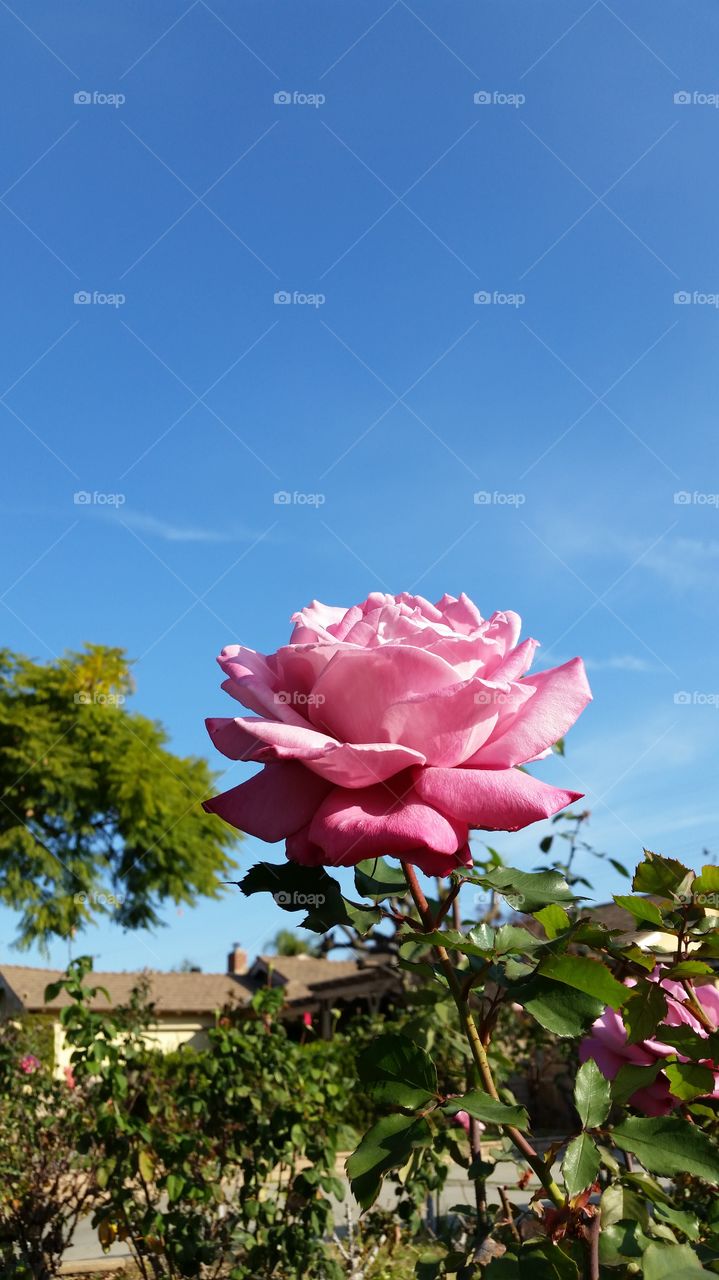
(288, 943)
(97, 816)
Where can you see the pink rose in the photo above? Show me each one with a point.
(29, 1063)
(607, 1044)
(307, 1020)
(392, 728)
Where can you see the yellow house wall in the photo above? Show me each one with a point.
(166, 1035)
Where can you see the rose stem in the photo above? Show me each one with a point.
(479, 1052)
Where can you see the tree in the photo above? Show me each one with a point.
(288, 943)
(97, 816)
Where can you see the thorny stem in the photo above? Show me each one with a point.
(479, 1053)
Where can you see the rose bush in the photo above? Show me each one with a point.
(608, 1044)
(393, 727)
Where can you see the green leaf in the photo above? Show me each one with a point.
(556, 1007)
(686, 1222)
(580, 1164)
(545, 1260)
(707, 882)
(671, 1262)
(388, 1145)
(375, 878)
(397, 1072)
(515, 940)
(527, 890)
(689, 1080)
(479, 941)
(619, 1203)
(663, 876)
(553, 918)
(668, 1145)
(645, 1008)
(311, 889)
(620, 867)
(592, 1095)
(689, 969)
(643, 909)
(175, 1185)
(483, 941)
(482, 1107)
(146, 1166)
(620, 1242)
(589, 976)
(631, 1077)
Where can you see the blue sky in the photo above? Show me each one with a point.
(381, 198)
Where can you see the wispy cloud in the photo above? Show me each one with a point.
(680, 563)
(167, 531)
(621, 662)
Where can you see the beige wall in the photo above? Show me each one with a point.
(167, 1034)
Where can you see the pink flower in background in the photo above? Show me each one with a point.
(393, 728)
(607, 1044)
(307, 1019)
(29, 1063)
(70, 1080)
(463, 1118)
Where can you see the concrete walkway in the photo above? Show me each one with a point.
(457, 1190)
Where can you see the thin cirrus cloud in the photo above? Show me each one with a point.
(167, 531)
(680, 563)
(621, 662)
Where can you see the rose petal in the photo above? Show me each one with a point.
(342, 763)
(352, 825)
(275, 803)
(560, 695)
(493, 799)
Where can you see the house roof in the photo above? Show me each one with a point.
(172, 993)
(305, 979)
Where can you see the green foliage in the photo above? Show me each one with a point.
(45, 1183)
(222, 1157)
(592, 1095)
(99, 817)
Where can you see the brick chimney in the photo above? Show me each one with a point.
(237, 960)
